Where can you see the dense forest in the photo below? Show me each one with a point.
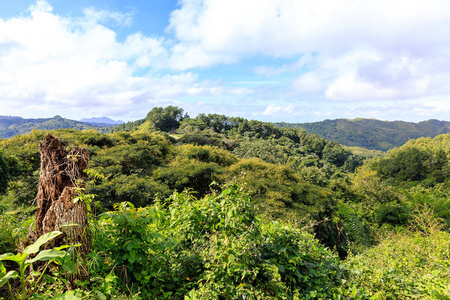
(217, 207)
(371, 133)
(363, 133)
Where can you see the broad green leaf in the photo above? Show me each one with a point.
(18, 258)
(9, 275)
(41, 241)
(47, 255)
(5, 256)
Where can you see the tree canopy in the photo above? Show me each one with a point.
(166, 119)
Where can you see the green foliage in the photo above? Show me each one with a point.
(416, 162)
(370, 133)
(166, 119)
(366, 205)
(190, 125)
(207, 154)
(14, 224)
(279, 192)
(269, 151)
(353, 229)
(132, 237)
(208, 137)
(99, 140)
(138, 190)
(215, 247)
(24, 159)
(5, 173)
(436, 198)
(408, 165)
(55, 255)
(185, 173)
(407, 265)
(132, 154)
(125, 127)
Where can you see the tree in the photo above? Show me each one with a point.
(166, 119)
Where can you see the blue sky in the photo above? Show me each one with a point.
(270, 60)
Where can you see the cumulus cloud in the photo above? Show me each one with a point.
(290, 27)
(50, 63)
(403, 42)
(273, 109)
(310, 82)
(340, 53)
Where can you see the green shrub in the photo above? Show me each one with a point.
(408, 265)
(214, 247)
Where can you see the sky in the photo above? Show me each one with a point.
(271, 60)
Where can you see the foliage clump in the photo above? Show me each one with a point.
(215, 247)
(413, 264)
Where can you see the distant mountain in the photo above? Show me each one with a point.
(370, 133)
(103, 121)
(11, 126)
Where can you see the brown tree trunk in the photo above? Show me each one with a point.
(60, 175)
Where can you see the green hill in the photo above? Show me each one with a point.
(12, 126)
(371, 133)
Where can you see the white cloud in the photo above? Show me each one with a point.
(50, 63)
(433, 107)
(310, 82)
(343, 51)
(349, 88)
(291, 27)
(273, 109)
(98, 16)
(382, 49)
(376, 77)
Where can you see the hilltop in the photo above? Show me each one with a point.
(11, 126)
(371, 133)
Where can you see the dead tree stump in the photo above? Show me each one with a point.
(61, 174)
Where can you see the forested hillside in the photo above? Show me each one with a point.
(371, 133)
(11, 126)
(363, 133)
(217, 207)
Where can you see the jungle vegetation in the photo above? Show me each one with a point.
(216, 207)
(371, 133)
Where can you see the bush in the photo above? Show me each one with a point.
(408, 265)
(215, 247)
